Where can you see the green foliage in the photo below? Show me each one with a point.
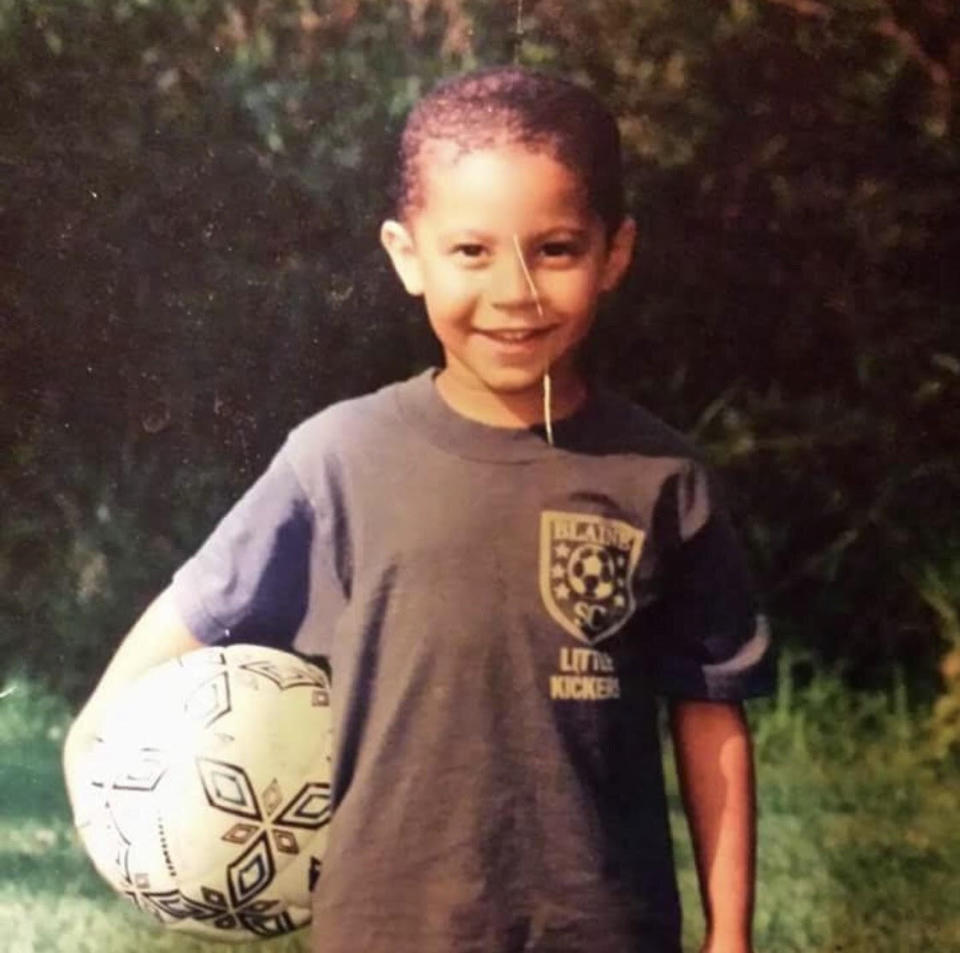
(814, 718)
(857, 847)
(29, 714)
(192, 191)
(84, 548)
(939, 587)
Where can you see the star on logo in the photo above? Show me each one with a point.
(562, 591)
(562, 550)
(558, 572)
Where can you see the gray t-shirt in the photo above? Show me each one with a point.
(500, 616)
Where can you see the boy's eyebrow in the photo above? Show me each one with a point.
(573, 231)
(577, 231)
(458, 234)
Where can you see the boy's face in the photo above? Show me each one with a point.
(461, 251)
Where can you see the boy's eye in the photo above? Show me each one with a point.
(471, 250)
(558, 249)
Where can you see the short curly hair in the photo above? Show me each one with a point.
(516, 106)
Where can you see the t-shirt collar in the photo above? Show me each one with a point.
(420, 404)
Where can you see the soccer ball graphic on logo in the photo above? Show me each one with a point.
(591, 572)
(207, 796)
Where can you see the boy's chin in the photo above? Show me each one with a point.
(521, 382)
(515, 384)
(512, 384)
(503, 396)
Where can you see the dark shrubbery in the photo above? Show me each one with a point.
(191, 192)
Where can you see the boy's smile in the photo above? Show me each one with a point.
(511, 264)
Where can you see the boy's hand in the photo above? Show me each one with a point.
(711, 743)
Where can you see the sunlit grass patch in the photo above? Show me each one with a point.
(859, 841)
(859, 846)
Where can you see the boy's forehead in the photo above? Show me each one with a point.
(458, 181)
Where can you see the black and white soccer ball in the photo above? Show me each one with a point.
(206, 798)
(591, 572)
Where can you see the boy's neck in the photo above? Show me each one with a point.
(512, 409)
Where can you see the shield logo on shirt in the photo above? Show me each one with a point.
(586, 568)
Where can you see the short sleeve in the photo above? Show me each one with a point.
(250, 581)
(711, 640)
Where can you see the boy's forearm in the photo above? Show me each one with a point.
(715, 765)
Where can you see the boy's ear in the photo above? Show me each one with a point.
(398, 242)
(619, 254)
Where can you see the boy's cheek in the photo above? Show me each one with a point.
(447, 311)
(451, 293)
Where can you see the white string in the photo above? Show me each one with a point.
(529, 277)
(546, 406)
(547, 395)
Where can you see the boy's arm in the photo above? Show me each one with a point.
(711, 742)
(159, 635)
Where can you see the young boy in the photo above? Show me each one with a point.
(505, 566)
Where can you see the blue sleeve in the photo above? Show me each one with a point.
(712, 643)
(250, 581)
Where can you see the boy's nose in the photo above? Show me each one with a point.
(511, 286)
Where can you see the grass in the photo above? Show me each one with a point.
(859, 840)
(859, 846)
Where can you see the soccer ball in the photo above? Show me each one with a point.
(591, 572)
(206, 798)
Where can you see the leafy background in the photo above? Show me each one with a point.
(191, 192)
